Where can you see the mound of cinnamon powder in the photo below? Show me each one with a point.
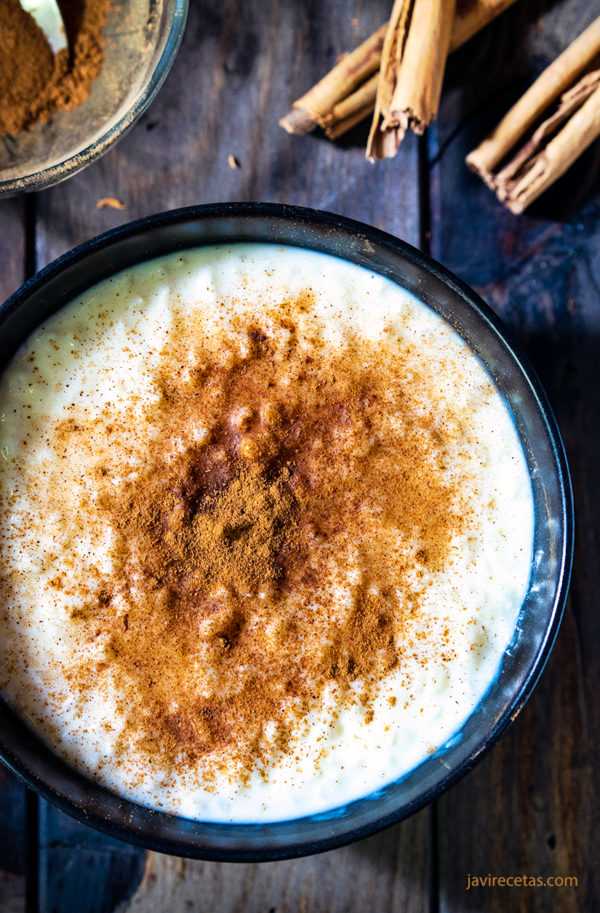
(34, 82)
(267, 476)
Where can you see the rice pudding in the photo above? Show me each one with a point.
(266, 528)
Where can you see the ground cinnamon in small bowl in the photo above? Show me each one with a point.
(34, 82)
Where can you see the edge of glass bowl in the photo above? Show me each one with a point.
(33, 762)
(55, 174)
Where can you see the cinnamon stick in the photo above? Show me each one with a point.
(348, 73)
(413, 60)
(346, 95)
(562, 108)
(544, 169)
(351, 110)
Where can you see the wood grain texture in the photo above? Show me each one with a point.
(531, 807)
(13, 849)
(80, 868)
(388, 872)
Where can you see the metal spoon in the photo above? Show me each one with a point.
(48, 16)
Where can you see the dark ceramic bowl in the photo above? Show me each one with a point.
(24, 752)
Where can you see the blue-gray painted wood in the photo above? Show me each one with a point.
(81, 869)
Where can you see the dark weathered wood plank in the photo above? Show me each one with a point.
(531, 808)
(240, 66)
(81, 869)
(13, 848)
(383, 873)
(12, 245)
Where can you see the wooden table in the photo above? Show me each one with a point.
(531, 807)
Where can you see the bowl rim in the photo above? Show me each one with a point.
(52, 778)
(75, 162)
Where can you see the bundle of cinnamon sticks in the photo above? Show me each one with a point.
(396, 76)
(399, 68)
(547, 129)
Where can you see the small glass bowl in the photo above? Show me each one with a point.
(141, 40)
(62, 281)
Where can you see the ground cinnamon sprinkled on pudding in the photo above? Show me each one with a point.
(261, 554)
(223, 548)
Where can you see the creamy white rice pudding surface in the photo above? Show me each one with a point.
(266, 528)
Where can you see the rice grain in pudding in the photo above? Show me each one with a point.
(266, 529)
